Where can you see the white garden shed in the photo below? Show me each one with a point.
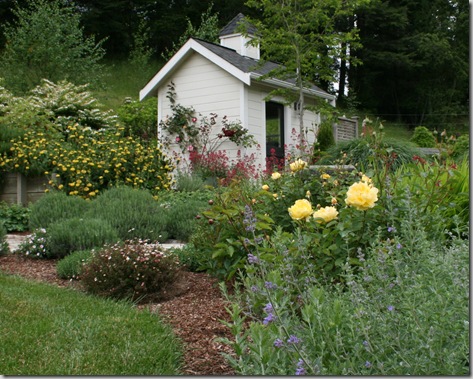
(224, 79)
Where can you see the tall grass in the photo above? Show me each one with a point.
(46, 330)
(124, 80)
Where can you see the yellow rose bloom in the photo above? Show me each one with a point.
(325, 214)
(298, 165)
(275, 175)
(362, 196)
(301, 209)
(265, 187)
(275, 195)
(325, 176)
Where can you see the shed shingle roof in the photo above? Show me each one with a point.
(246, 64)
(232, 26)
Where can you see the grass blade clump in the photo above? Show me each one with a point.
(77, 234)
(359, 153)
(56, 206)
(132, 212)
(52, 331)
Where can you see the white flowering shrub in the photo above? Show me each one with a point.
(36, 245)
(135, 270)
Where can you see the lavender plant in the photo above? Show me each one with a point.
(402, 312)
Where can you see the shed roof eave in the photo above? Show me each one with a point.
(281, 83)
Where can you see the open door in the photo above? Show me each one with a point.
(274, 130)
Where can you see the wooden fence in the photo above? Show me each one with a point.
(16, 188)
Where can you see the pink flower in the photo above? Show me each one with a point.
(190, 148)
(177, 139)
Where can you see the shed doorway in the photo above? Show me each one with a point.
(274, 130)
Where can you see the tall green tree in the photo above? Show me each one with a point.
(207, 30)
(47, 42)
(303, 36)
(415, 60)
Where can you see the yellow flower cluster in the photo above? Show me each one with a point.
(298, 165)
(325, 214)
(362, 195)
(301, 210)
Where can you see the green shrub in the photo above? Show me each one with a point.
(15, 217)
(67, 236)
(325, 137)
(180, 211)
(71, 266)
(54, 207)
(423, 137)
(139, 118)
(133, 270)
(461, 149)
(189, 182)
(4, 248)
(132, 212)
(188, 257)
(36, 245)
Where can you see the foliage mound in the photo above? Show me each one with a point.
(132, 212)
(71, 266)
(423, 137)
(74, 234)
(55, 206)
(133, 270)
(15, 217)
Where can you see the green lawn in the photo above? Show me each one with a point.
(47, 330)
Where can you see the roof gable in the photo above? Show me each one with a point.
(191, 46)
(242, 67)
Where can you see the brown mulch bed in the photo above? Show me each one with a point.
(194, 312)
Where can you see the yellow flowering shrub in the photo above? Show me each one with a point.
(362, 195)
(301, 210)
(275, 175)
(325, 214)
(89, 161)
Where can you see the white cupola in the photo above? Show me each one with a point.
(231, 38)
